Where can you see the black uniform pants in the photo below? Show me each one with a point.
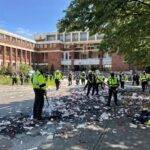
(57, 83)
(69, 81)
(122, 84)
(21, 80)
(144, 84)
(95, 88)
(112, 91)
(38, 103)
(89, 87)
(14, 81)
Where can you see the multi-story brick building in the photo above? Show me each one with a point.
(75, 51)
(15, 49)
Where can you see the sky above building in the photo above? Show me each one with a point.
(28, 17)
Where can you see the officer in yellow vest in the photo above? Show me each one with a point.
(39, 87)
(57, 76)
(113, 84)
(83, 77)
(101, 79)
(144, 81)
(122, 80)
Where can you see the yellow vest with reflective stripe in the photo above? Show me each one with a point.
(38, 80)
(143, 78)
(58, 75)
(113, 82)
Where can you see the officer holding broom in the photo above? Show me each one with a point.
(39, 87)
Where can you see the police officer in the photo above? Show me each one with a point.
(77, 78)
(21, 78)
(95, 82)
(70, 79)
(144, 81)
(113, 84)
(101, 79)
(83, 77)
(122, 80)
(57, 77)
(39, 87)
(90, 80)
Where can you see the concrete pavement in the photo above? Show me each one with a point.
(84, 132)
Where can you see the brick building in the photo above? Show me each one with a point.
(75, 51)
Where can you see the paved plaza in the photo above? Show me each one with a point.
(85, 123)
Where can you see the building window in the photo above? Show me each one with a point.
(76, 55)
(45, 45)
(41, 46)
(75, 37)
(51, 37)
(50, 45)
(67, 37)
(60, 37)
(83, 36)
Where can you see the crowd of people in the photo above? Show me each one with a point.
(93, 82)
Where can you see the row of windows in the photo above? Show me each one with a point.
(67, 46)
(83, 36)
(15, 40)
(46, 45)
(14, 53)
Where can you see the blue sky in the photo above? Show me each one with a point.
(28, 17)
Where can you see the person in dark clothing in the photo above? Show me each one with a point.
(90, 80)
(122, 80)
(77, 78)
(14, 78)
(21, 79)
(113, 84)
(70, 79)
(95, 84)
(137, 79)
(144, 81)
(133, 79)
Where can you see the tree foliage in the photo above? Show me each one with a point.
(124, 23)
(24, 68)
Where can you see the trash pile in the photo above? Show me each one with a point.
(138, 108)
(67, 114)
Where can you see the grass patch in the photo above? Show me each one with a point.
(5, 80)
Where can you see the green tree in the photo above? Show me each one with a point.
(124, 23)
(24, 68)
(3, 70)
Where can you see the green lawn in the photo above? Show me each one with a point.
(5, 80)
